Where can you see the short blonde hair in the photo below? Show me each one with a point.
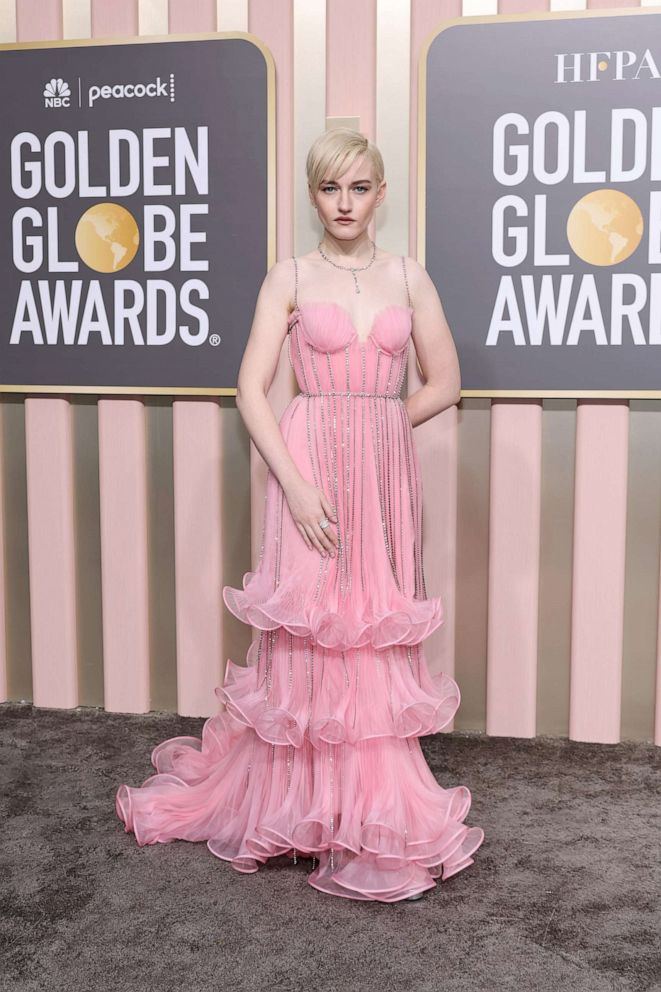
(335, 150)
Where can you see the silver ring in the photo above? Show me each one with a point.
(324, 523)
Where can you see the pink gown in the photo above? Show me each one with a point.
(316, 751)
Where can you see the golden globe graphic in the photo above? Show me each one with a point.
(605, 227)
(107, 237)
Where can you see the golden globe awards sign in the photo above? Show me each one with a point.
(135, 181)
(540, 209)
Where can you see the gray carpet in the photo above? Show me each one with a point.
(564, 892)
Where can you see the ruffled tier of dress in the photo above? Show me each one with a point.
(372, 813)
(350, 623)
(360, 695)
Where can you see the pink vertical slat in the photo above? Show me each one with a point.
(197, 443)
(124, 571)
(114, 18)
(49, 467)
(351, 62)
(514, 535)
(598, 570)
(123, 499)
(185, 17)
(38, 20)
(351, 67)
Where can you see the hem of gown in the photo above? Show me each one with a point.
(413, 877)
(380, 865)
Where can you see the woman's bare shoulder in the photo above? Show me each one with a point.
(278, 284)
(416, 273)
(280, 270)
(413, 265)
(280, 274)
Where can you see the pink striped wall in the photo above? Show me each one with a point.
(123, 516)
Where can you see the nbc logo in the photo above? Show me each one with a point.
(57, 93)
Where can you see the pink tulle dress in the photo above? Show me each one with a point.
(316, 750)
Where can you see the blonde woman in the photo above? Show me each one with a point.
(316, 753)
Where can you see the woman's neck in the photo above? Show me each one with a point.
(359, 249)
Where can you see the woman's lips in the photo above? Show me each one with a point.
(345, 220)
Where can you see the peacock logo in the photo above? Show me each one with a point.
(57, 93)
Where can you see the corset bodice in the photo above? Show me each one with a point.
(327, 354)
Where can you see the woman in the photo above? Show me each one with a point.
(317, 751)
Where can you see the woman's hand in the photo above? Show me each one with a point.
(309, 505)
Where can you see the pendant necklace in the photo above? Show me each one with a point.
(350, 268)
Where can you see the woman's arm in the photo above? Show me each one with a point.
(435, 350)
(307, 503)
(258, 368)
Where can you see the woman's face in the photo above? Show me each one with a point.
(354, 195)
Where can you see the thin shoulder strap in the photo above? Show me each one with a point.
(406, 279)
(295, 282)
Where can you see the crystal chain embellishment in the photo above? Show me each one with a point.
(330, 754)
(350, 392)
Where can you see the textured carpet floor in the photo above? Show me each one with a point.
(564, 892)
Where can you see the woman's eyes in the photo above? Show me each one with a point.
(327, 188)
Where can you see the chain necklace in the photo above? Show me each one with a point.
(350, 268)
